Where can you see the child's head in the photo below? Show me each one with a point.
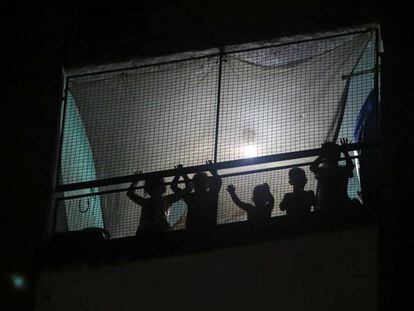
(200, 181)
(261, 194)
(331, 152)
(155, 186)
(297, 177)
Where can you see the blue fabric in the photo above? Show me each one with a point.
(77, 163)
(366, 123)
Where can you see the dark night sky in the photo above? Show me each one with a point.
(38, 40)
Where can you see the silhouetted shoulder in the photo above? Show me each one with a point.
(310, 193)
(311, 197)
(287, 198)
(215, 183)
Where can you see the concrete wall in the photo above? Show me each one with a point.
(324, 271)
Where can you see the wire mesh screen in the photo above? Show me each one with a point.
(285, 99)
(240, 104)
(278, 182)
(361, 83)
(122, 213)
(360, 86)
(272, 100)
(148, 118)
(79, 213)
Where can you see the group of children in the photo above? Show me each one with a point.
(201, 194)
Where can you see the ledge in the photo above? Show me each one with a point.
(76, 249)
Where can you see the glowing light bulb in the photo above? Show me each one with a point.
(249, 151)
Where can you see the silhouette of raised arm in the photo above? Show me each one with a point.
(349, 164)
(131, 190)
(315, 165)
(211, 167)
(216, 181)
(232, 191)
(174, 183)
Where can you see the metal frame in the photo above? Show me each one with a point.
(228, 164)
(253, 171)
(204, 167)
(216, 138)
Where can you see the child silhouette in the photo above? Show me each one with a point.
(298, 202)
(154, 209)
(332, 178)
(203, 201)
(263, 202)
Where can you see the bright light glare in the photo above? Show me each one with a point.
(249, 151)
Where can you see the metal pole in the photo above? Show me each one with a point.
(218, 103)
(61, 134)
(50, 221)
(255, 171)
(204, 167)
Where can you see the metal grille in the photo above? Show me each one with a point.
(78, 213)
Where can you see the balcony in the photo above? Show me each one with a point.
(256, 110)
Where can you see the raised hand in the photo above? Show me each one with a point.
(212, 167)
(137, 174)
(131, 190)
(323, 147)
(231, 189)
(179, 168)
(349, 164)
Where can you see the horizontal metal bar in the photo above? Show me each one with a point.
(276, 168)
(269, 169)
(300, 41)
(143, 66)
(92, 194)
(359, 73)
(217, 54)
(198, 168)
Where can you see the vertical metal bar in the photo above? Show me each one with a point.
(50, 221)
(61, 134)
(218, 103)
